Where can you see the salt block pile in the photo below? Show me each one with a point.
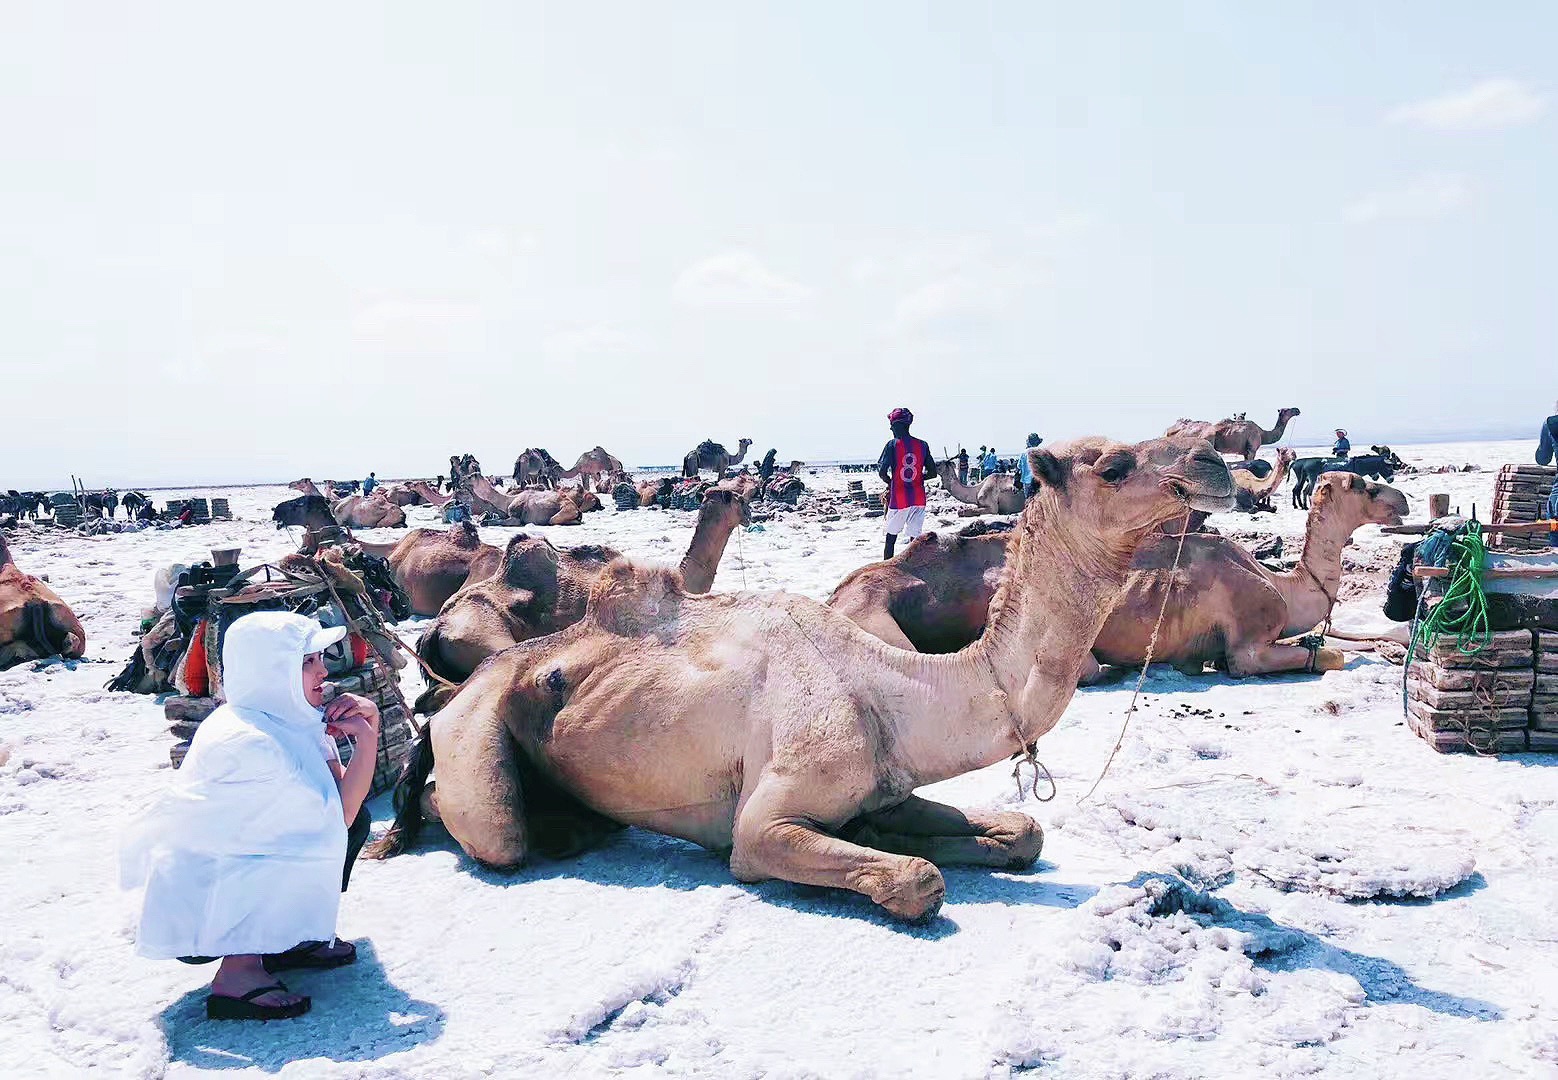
(185, 714)
(1520, 495)
(1501, 699)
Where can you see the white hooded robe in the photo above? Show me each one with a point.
(244, 852)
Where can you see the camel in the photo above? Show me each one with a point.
(354, 511)
(651, 490)
(539, 589)
(711, 455)
(1240, 609)
(431, 565)
(593, 464)
(996, 494)
(430, 495)
(1253, 493)
(536, 466)
(1242, 438)
(527, 507)
(772, 729)
(34, 621)
(933, 597)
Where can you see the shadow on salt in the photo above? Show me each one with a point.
(358, 1015)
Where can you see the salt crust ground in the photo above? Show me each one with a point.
(1197, 918)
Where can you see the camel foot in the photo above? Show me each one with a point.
(1329, 659)
(912, 891)
(430, 801)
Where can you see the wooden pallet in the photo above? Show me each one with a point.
(1520, 495)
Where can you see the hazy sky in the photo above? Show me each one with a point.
(257, 241)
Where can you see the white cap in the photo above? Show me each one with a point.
(322, 639)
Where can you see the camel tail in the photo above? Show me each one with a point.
(407, 826)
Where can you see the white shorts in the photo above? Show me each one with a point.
(910, 521)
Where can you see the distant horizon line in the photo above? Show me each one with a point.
(825, 463)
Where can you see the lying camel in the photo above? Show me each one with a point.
(357, 511)
(430, 495)
(934, 596)
(433, 564)
(998, 493)
(1253, 493)
(539, 589)
(651, 490)
(1241, 438)
(34, 621)
(530, 506)
(772, 729)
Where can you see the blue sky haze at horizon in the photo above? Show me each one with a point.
(252, 244)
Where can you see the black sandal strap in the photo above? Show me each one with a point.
(271, 989)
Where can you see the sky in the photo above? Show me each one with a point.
(248, 243)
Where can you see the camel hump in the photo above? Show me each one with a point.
(629, 600)
(708, 447)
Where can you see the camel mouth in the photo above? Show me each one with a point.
(1210, 490)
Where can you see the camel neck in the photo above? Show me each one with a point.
(1058, 589)
(1310, 587)
(705, 551)
(1275, 433)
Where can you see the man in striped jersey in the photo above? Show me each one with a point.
(904, 467)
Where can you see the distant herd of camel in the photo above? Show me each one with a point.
(791, 734)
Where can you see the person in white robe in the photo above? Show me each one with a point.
(242, 856)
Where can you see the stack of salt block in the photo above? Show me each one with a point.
(1496, 701)
(1544, 697)
(1520, 495)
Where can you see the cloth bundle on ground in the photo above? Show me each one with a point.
(242, 854)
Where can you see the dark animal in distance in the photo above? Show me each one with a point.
(1307, 471)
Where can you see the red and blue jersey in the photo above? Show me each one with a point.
(904, 460)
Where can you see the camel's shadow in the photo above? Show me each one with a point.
(636, 858)
(358, 1015)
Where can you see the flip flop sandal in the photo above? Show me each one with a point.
(308, 956)
(224, 1007)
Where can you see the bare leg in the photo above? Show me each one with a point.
(770, 843)
(949, 837)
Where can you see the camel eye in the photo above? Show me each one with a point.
(1114, 472)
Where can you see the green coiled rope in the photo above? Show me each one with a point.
(1463, 610)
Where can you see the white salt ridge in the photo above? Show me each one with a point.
(646, 957)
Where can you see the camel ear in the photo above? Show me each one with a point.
(1047, 470)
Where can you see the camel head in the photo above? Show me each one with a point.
(744, 444)
(1355, 501)
(1284, 415)
(304, 484)
(1285, 456)
(1119, 492)
(722, 503)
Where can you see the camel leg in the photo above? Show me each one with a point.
(771, 842)
(1268, 657)
(1092, 671)
(947, 836)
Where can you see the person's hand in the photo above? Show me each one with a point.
(353, 716)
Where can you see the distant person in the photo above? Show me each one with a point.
(1545, 446)
(1341, 448)
(369, 484)
(991, 464)
(1024, 471)
(962, 465)
(904, 466)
